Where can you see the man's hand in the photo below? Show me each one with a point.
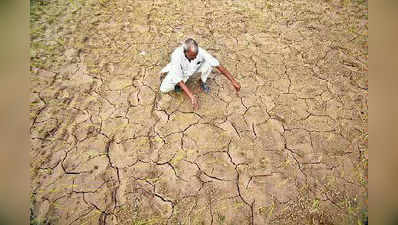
(190, 95)
(195, 104)
(228, 75)
(236, 86)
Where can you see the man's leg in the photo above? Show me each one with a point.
(166, 69)
(205, 70)
(166, 84)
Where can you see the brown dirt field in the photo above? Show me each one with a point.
(108, 148)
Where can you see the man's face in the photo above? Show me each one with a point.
(190, 55)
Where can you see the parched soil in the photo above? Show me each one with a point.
(109, 148)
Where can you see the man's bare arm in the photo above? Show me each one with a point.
(190, 94)
(228, 75)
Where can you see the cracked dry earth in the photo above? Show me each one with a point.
(108, 148)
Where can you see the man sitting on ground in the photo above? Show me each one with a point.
(187, 60)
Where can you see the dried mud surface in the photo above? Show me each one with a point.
(108, 148)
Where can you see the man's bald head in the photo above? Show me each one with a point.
(190, 48)
(191, 45)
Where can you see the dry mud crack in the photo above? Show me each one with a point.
(109, 148)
